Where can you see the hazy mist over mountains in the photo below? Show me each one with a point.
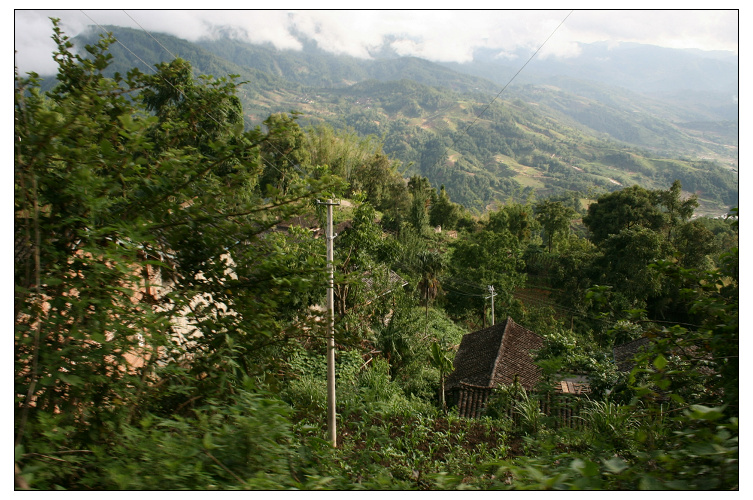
(686, 75)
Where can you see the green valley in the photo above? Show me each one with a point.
(452, 127)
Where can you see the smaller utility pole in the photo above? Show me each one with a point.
(492, 294)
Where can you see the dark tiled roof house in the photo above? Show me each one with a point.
(624, 354)
(497, 355)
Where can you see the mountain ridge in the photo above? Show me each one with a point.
(420, 109)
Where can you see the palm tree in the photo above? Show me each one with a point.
(432, 264)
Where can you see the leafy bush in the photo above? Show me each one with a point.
(701, 455)
(307, 394)
(608, 422)
(246, 443)
(515, 404)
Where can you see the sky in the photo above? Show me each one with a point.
(437, 35)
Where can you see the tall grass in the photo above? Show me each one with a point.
(609, 422)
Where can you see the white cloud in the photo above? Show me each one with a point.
(439, 35)
(34, 51)
(703, 29)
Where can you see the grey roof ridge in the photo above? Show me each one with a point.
(500, 352)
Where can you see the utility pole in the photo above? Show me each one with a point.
(492, 294)
(331, 413)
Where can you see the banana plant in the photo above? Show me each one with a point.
(441, 361)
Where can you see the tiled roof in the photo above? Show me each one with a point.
(516, 359)
(377, 288)
(496, 355)
(624, 353)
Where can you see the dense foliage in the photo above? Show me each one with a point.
(169, 272)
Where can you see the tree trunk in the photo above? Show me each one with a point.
(441, 393)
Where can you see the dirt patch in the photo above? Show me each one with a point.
(515, 447)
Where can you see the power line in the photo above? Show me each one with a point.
(465, 131)
(476, 288)
(451, 290)
(180, 91)
(518, 72)
(148, 33)
(122, 44)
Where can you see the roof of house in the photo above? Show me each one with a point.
(496, 355)
(376, 288)
(625, 353)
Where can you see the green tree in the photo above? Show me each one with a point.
(554, 217)
(623, 209)
(675, 209)
(695, 244)
(657, 210)
(515, 218)
(441, 361)
(355, 259)
(283, 153)
(136, 211)
(491, 255)
(444, 212)
(379, 180)
(420, 191)
(626, 263)
(431, 265)
(343, 150)
(634, 228)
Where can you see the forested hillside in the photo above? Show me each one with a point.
(532, 140)
(170, 274)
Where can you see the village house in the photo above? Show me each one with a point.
(624, 354)
(499, 355)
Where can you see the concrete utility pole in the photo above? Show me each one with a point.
(492, 294)
(331, 413)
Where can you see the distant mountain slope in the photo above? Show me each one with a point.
(534, 140)
(138, 49)
(633, 119)
(316, 68)
(625, 115)
(645, 69)
(629, 87)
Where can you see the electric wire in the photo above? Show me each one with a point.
(476, 119)
(124, 46)
(152, 36)
(517, 73)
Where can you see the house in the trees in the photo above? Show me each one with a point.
(624, 354)
(501, 354)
